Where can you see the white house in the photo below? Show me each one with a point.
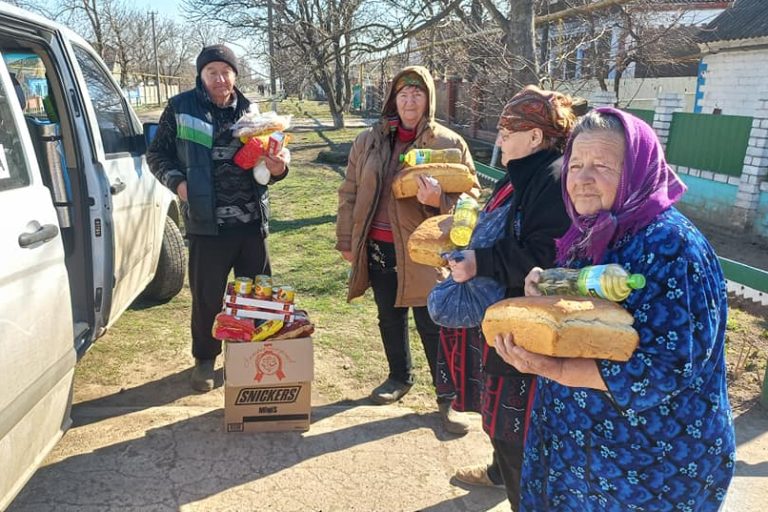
(733, 75)
(664, 62)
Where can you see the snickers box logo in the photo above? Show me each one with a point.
(268, 395)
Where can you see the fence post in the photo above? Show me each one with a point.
(666, 105)
(754, 171)
(602, 99)
(453, 84)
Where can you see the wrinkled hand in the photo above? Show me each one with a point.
(531, 280)
(463, 269)
(528, 362)
(278, 163)
(347, 255)
(181, 191)
(429, 191)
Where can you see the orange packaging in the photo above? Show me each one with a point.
(275, 143)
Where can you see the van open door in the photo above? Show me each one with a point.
(36, 327)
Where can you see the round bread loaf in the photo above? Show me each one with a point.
(453, 178)
(430, 239)
(564, 326)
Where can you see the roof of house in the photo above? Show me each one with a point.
(747, 19)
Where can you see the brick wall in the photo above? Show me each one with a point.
(735, 82)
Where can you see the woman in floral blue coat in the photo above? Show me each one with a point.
(654, 433)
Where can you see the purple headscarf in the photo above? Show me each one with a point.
(647, 187)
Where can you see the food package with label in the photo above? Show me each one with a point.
(257, 310)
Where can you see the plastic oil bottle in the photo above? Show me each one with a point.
(610, 282)
(431, 156)
(464, 220)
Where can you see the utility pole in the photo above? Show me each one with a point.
(157, 62)
(271, 56)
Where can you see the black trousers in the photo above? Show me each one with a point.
(393, 321)
(211, 258)
(508, 461)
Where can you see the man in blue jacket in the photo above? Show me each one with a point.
(225, 210)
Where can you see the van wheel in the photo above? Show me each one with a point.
(169, 278)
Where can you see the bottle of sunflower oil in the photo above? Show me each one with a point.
(609, 281)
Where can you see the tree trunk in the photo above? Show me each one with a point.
(326, 80)
(520, 42)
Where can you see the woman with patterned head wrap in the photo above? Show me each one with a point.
(533, 128)
(654, 432)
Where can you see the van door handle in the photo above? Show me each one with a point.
(117, 187)
(44, 234)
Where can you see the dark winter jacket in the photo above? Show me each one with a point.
(536, 218)
(194, 144)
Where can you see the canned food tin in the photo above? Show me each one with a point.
(263, 278)
(284, 294)
(243, 285)
(262, 287)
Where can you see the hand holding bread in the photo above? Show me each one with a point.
(429, 191)
(452, 178)
(573, 372)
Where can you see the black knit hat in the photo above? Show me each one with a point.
(216, 52)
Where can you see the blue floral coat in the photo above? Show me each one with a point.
(661, 438)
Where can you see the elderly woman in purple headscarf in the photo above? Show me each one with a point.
(654, 433)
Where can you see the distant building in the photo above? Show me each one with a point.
(733, 74)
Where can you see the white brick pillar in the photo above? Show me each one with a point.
(602, 99)
(755, 169)
(666, 105)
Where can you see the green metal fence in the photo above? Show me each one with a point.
(487, 173)
(709, 142)
(645, 115)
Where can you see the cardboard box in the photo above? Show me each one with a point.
(268, 385)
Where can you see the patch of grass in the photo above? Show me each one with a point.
(304, 108)
(340, 136)
(142, 337)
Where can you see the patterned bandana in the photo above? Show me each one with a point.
(410, 79)
(533, 108)
(647, 187)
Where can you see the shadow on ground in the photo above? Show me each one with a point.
(184, 462)
(277, 225)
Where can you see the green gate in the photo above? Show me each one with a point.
(709, 142)
(645, 115)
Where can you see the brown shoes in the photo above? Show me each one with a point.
(476, 475)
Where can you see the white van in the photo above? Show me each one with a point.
(86, 228)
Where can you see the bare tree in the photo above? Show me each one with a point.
(653, 38)
(519, 37)
(325, 37)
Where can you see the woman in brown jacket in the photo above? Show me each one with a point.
(373, 227)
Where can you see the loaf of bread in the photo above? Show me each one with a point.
(453, 178)
(564, 326)
(430, 240)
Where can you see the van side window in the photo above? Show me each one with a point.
(114, 120)
(13, 164)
